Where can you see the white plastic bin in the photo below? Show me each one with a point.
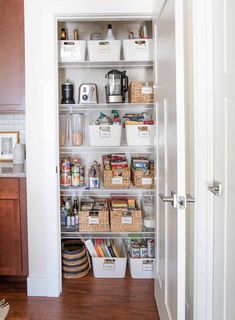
(142, 268)
(104, 50)
(111, 267)
(71, 50)
(105, 135)
(140, 135)
(138, 49)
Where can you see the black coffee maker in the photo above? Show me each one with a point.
(67, 93)
(116, 86)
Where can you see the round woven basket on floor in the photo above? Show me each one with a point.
(75, 260)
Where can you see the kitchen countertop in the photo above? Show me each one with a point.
(10, 170)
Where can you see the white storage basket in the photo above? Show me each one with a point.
(140, 135)
(104, 50)
(111, 267)
(142, 268)
(138, 49)
(105, 135)
(71, 50)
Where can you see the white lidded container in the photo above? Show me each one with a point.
(104, 50)
(72, 50)
(142, 268)
(105, 135)
(138, 49)
(111, 267)
(140, 135)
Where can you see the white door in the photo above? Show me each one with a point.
(170, 279)
(224, 160)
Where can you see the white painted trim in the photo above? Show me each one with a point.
(203, 150)
(36, 286)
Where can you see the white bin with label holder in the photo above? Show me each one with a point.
(109, 267)
(138, 49)
(105, 135)
(104, 50)
(140, 135)
(72, 50)
(142, 268)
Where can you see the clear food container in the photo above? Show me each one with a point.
(77, 129)
(148, 211)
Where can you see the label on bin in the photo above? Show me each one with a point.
(117, 180)
(127, 220)
(146, 181)
(109, 264)
(147, 265)
(104, 46)
(93, 220)
(147, 90)
(143, 131)
(104, 132)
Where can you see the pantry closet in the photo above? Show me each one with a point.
(107, 131)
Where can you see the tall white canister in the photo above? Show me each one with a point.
(18, 153)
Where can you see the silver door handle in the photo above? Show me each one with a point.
(216, 188)
(170, 199)
(189, 198)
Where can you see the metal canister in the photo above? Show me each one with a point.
(65, 179)
(135, 250)
(150, 247)
(65, 165)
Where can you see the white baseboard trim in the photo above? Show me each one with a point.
(38, 287)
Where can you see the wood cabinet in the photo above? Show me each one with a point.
(13, 227)
(12, 56)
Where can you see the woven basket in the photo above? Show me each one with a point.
(141, 180)
(120, 221)
(137, 93)
(117, 178)
(75, 260)
(94, 221)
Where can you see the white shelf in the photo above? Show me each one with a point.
(90, 149)
(73, 233)
(106, 64)
(105, 106)
(71, 191)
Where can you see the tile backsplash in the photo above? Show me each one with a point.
(13, 122)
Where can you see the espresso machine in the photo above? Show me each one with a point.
(116, 86)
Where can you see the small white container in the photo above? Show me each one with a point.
(19, 154)
(104, 50)
(105, 135)
(111, 267)
(140, 135)
(142, 268)
(138, 49)
(72, 50)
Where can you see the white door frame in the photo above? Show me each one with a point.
(203, 155)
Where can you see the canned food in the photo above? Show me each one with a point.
(82, 177)
(143, 251)
(75, 179)
(135, 250)
(150, 247)
(65, 165)
(65, 179)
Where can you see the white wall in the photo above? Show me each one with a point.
(41, 127)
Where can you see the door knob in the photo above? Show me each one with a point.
(170, 199)
(216, 188)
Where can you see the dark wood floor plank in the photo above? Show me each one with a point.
(85, 299)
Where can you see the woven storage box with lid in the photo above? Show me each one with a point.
(94, 220)
(75, 260)
(141, 179)
(117, 178)
(140, 92)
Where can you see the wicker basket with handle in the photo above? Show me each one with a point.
(126, 220)
(117, 178)
(140, 92)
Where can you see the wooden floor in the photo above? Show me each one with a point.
(85, 299)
